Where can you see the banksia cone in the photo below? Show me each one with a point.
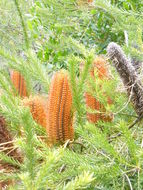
(19, 83)
(37, 109)
(100, 67)
(60, 118)
(90, 1)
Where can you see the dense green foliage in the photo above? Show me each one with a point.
(40, 37)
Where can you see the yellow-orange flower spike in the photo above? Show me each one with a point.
(38, 109)
(60, 118)
(19, 83)
(93, 104)
(100, 67)
(90, 1)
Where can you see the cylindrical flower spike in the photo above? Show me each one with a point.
(90, 1)
(99, 66)
(19, 83)
(60, 117)
(38, 109)
(93, 104)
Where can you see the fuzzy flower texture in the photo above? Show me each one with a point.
(60, 117)
(55, 113)
(19, 83)
(100, 66)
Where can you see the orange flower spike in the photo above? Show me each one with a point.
(93, 104)
(37, 109)
(19, 83)
(60, 119)
(90, 1)
(66, 110)
(53, 105)
(99, 66)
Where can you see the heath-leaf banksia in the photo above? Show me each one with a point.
(99, 65)
(37, 105)
(60, 117)
(19, 83)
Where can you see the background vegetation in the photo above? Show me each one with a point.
(39, 37)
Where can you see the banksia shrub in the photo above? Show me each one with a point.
(99, 66)
(38, 109)
(19, 83)
(60, 117)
